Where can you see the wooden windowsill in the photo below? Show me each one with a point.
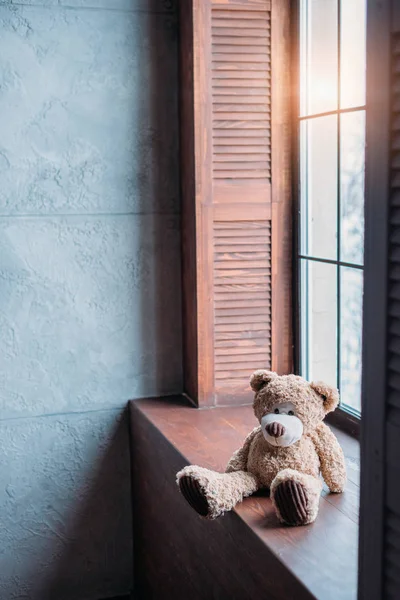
(322, 556)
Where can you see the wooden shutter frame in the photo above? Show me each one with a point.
(198, 211)
(282, 205)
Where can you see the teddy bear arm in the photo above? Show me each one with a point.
(238, 460)
(333, 467)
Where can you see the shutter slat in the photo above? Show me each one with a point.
(231, 346)
(260, 109)
(234, 122)
(394, 328)
(239, 296)
(242, 60)
(236, 337)
(238, 327)
(227, 97)
(219, 47)
(239, 91)
(219, 31)
(243, 14)
(240, 374)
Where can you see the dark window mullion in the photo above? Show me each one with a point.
(338, 216)
(330, 113)
(330, 261)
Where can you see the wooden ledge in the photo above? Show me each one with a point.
(321, 557)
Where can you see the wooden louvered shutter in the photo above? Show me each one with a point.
(235, 124)
(380, 444)
(392, 495)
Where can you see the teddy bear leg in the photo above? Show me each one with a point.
(211, 493)
(295, 497)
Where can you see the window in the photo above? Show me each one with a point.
(332, 157)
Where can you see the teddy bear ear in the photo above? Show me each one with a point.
(329, 394)
(260, 378)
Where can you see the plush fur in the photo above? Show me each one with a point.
(292, 473)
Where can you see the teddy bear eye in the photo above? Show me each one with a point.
(276, 411)
(291, 413)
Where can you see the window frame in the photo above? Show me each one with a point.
(343, 417)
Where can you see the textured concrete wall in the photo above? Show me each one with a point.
(89, 279)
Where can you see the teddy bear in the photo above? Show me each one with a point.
(286, 453)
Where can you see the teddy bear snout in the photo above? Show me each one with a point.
(275, 429)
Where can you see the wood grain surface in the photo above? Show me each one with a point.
(261, 553)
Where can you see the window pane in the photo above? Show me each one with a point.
(319, 321)
(352, 53)
(352, 164)
(318, 56)
(351, 283)
(318, 159)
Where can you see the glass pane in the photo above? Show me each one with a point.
(318, 56)
(319, 321)
(318, 163)
(352, 164)
(351, 292)
(352, 53)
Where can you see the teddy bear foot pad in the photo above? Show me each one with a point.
(291, 499)
(193, 493)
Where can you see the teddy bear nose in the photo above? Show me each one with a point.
(275, 429)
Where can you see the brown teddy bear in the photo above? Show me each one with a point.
(285, 453)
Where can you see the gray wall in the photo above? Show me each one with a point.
(89, 279)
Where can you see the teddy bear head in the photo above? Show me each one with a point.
(288, 406)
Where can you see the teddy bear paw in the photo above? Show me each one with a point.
(191, 490)
(292, 501)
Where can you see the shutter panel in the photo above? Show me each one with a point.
(242, 216)
(380, 441)
(392, 509)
